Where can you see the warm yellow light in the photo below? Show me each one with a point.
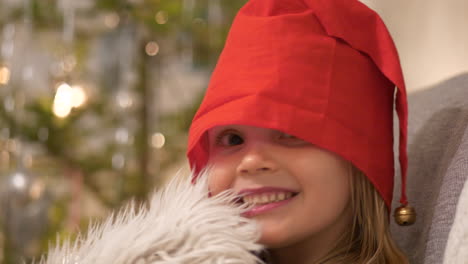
(161, 17)
(63, 102)
(4, 75)
(152, 48)
(68, 97)
(111, 20)
(78, 96)
(158, 140)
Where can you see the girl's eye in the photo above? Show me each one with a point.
(229, 139)
(287, 136)
(291, 140)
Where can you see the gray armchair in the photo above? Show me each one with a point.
(438, 168)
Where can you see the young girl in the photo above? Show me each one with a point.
(298, 120)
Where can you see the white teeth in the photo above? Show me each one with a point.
(281, 196)
(272, 197)
(266, 197)
(256, 199)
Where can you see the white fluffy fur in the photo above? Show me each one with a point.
(180, 226)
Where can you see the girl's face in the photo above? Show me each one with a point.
(301, 192)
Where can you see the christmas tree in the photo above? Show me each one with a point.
(97, 98)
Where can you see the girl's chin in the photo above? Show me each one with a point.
(272, 230)
(273, 239)
(276, 236)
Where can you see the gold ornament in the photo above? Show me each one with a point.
(405, 215)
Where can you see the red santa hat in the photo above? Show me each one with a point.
(322, 70)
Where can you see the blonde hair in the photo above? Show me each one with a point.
(369, 240)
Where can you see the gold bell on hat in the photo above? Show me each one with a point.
(405, 215)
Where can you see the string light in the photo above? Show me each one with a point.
(124, 99)
(158, 140)
(161, 17)
(152, 48)
(66, 98)
(79, 96)
(122, 136)
(111, 20)
(4, 75)
(18, 181)
(63, 103)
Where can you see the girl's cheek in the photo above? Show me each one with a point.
(219, 179)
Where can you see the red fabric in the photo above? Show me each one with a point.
(322, 70)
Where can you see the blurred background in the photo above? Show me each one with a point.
(97, 97)
(431, 37)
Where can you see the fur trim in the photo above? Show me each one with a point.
(180, 226)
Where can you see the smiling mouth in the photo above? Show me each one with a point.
(266, 198)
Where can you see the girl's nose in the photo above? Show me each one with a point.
(257, 159)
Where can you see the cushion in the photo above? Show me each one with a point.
(437, 171)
